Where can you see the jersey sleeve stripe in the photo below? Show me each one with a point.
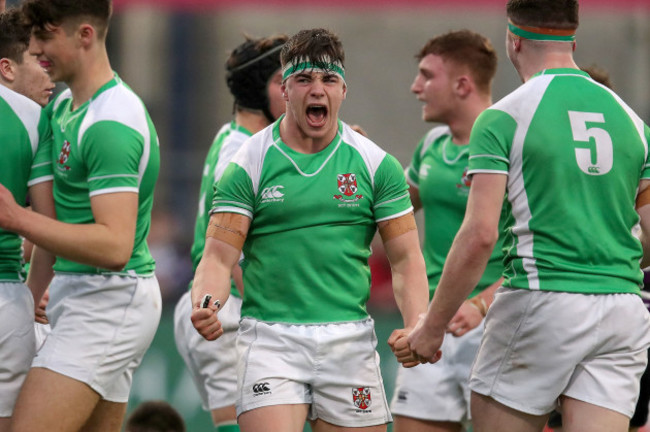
(396, 215)
(221, 203)
(113, 190)
(237, 210)
(486, 171)
(390, 201)
(38, 180)
(41, 164)
(488, 156)
(112, 176)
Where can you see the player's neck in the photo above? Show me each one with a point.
(251, 121)
(94, 73)
(462, 121)
(549, 60)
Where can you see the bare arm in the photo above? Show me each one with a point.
(41, 261)
(415, 198)
(225, 236)
(107, 243)
(410, 284)
(643, 208)
(465, 263)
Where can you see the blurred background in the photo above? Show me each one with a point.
(172, 53)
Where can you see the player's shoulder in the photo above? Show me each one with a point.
(359, 142)
(434, 137)
(26, 109)
(118, 103)
(253, 149)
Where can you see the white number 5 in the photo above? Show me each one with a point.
(604, 151)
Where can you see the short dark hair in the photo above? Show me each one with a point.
(319, 46)
(41, 13)
(155, 416)
(465, 48)
(14, 35)
(554, 14)
(249, 69)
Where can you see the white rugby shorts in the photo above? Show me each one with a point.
(212, 364)
(539, 345)
(332, 367)
(17, 345)
(102, 326)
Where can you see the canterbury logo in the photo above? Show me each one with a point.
(272, 192)
(261, 387)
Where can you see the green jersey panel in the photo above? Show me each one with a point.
(26, 138)
(107, 145)
(228, 140)
(574, 154)
(313, 218)
(438, 170)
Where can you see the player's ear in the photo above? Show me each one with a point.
(284, 92)
(7, 69)
(345, 90)
(463, 86)
(85, 34)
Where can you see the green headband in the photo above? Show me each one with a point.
(325, 67)
(541, 33)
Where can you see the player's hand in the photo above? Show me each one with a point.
(205, 321)
(467, 318)
(359, 129)
(8, 208)
(425, 343)
(41, 317)
(398, 342)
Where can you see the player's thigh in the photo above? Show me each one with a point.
(320, 425)
(49, 398)
(409, 424)
(578, 416)
(488, 415)
(285, 418)
(106, 417)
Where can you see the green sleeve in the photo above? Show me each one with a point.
(391, 191)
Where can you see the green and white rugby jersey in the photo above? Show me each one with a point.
(574, 154)
(228, 140)
(313, 218)
(107, 145)
(25, 161)
(439, 171)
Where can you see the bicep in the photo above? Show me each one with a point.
(117, 211)
(399, 236)
(485, 199)
(41, 199)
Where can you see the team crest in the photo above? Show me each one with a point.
(347, 184)
(361, 397)
(465, 182)
(64, 155)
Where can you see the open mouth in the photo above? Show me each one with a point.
(316, 115)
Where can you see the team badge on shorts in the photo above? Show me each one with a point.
(361, 397)
(347, 185)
